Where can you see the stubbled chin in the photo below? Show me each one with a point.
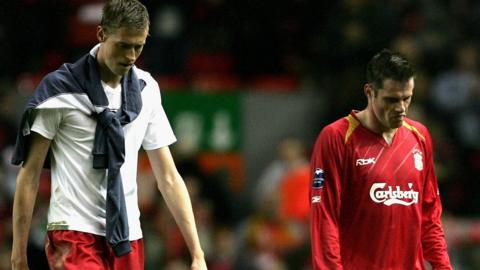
(397, 123)
(121, 72)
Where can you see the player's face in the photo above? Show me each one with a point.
(391, 102)
(121, 48)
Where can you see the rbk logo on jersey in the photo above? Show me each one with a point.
(379, 193)
(365, 161)
(318, 178)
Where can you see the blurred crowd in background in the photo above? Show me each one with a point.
(250, 197)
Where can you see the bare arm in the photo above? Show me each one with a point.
(175, 193)
(24, 201)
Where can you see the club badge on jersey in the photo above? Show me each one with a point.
(418, 159)
(318, 178)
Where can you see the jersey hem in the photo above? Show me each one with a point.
(86, 228)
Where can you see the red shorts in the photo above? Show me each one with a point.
(72, 250)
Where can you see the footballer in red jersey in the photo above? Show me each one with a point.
(374, 198)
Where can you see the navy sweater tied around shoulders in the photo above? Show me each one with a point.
(83, 78)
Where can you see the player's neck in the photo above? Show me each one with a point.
(369, 121)
(106, 75)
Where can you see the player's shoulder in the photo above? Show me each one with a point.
(337, 126)
(57, 76)
(417, 128)
(340, 128)
(151, 91)
(144, 75)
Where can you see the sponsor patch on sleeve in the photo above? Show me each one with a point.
(316, 199)
(318, 178)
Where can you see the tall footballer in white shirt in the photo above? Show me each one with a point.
(78, 191)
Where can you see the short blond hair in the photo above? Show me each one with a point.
(124, 13)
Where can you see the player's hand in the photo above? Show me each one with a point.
(19, 264)
(18, 258)
(16, 266)
(199, 264)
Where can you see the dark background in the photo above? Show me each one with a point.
(287, 68)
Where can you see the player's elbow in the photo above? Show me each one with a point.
(168, 181)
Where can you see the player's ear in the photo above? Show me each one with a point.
(101, 34)
(368, 90)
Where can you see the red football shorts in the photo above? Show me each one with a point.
(72, 250)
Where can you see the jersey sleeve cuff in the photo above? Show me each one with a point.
(43, 132)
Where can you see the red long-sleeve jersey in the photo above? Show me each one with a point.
(374, 205)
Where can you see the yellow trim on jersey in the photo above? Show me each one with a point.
(352, 125)
(414, 129)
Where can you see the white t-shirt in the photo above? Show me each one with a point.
(114, 96)
(78, 196)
